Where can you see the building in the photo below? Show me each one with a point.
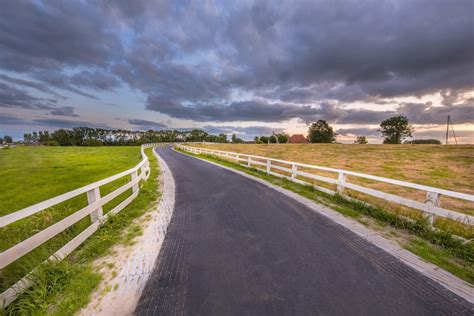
(297, 139)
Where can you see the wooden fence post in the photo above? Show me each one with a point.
(341, 180)
(432, 199)
(294, 170)
(249, 161)
(93, 196)
(268, 165)
(134, 176)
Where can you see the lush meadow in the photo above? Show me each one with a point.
(33, 174)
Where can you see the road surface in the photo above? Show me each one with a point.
(237, 247)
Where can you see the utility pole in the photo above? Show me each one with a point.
(447, 130)
(449, 122)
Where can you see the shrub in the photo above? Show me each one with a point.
(52, 143)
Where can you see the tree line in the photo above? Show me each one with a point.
(86, 136)
(394, 130)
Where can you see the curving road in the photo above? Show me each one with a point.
(237, 247)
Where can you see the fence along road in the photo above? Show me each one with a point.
(235, 246)
(431, 207)
(94, 209)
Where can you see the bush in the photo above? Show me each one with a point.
(423, 141)
(52, 143)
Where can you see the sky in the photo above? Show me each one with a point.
(244, 67)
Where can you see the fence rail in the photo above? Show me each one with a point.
(431, 207)
(140, 172)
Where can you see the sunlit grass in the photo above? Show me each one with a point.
(60, 296)
(445, 167)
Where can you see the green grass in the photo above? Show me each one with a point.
(453, 254)
(442, 259)
(33, 174)
(61, 297)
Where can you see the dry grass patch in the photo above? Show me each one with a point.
(446, 167)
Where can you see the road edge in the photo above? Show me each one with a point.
(138, 261)
(433, 272)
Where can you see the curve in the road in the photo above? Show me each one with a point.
(235, 246)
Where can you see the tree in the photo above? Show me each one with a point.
(361, 140)
(256, 140)
(8, 139)
(282, 138)
(272, 139)
(321, 132)
(264, 139)
(236, 140)
(63, 137)
(222, 138)
(395, 129)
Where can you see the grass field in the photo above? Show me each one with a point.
(446, 167)
(33, 174)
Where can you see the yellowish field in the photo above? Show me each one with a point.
(446, 167)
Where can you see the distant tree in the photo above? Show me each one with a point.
(272, 139)
(8, 139)
(43, 137)
(423, 141)
(264, 139)
(236, 140)
(1, 140)
(282, 138)
(361, 140)
(256, 140)
(222, 138)
(63, 137)
(321, 132)
(395, 129)
(197, 135)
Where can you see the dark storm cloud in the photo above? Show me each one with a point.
(145, 124)
(191, 59)
(256, 110)
(31, 84)
(11, 97)
(64, 111)
(59, 123)
(6, 119)
(61, 81)
(99, 81)
(53, 34)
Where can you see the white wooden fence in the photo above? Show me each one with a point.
(431, 207)
(94, 209)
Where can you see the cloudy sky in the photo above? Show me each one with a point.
(249, 67)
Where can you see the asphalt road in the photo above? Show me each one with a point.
(237, 247)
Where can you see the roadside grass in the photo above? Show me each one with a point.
(34, 174)
(64, 287)
(449, 252)
(446, 167)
